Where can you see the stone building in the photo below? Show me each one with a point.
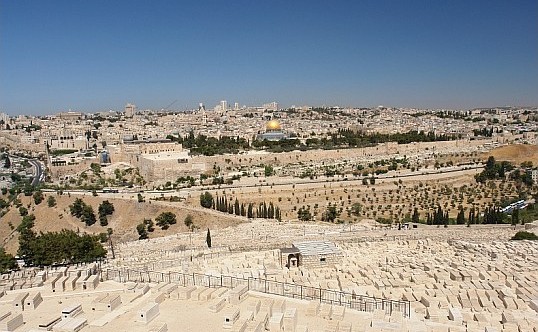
(311, 254)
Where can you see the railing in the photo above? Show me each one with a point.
(353, 301)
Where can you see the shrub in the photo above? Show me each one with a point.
(523, 235)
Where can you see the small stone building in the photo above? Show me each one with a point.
(311, 254)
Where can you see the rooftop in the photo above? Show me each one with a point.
(317, 248)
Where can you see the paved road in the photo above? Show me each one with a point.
(38, 172)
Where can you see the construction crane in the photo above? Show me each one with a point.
(168, 106)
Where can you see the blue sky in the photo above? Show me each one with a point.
(99, 55)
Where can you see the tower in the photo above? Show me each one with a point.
(129, 110)
(223, 106)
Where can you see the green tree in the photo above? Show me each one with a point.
(460, 219)
(26, 223)
(304, 214)
(88, 216)
(142, 233)
(330, 214)
(96, 168)
(188, 221)
(268, 170)
(416, 216)
(250, 211)
(165, 219)
(64, 247)
(105, 209)
(7, 162)
(149, 224)
(208, 239)
(38, 197)
(51, 201)
(23, 211)
(356, 209)
(77, 207)
(140, 198)
(206, 200)
(7, 261)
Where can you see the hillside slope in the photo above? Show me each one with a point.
(128, 213)
(516, 153)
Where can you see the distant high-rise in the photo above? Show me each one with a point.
(271, 106)
(223, 106)
(236, 107)
(130, 110)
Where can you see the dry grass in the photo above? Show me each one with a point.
(128, 213)
(516, 153)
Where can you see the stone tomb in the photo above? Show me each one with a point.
(33, 300)
(9, 321)
(148, 313)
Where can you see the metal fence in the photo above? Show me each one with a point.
(350, 300)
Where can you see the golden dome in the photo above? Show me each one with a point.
(272, 125)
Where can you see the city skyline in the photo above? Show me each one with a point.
(98, 56)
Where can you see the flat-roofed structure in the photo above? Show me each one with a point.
(311, 254)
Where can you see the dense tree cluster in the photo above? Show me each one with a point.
(493, 215)
(143, 228)
(330, 214)
(303, 214)
(486, 132)
(7, 261)
(264, 210)
(59, 248)
(38, 197)
(284, 145)
(522, 177)
(438, 217)
(209, 146)
(494, 170)
(51, 201)
(206, 200)
(165, 219)
(105, 209)
(83, 211)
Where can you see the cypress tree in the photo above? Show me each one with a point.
(208, 239)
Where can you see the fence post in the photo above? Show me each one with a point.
(193, 280)
(320, 295)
